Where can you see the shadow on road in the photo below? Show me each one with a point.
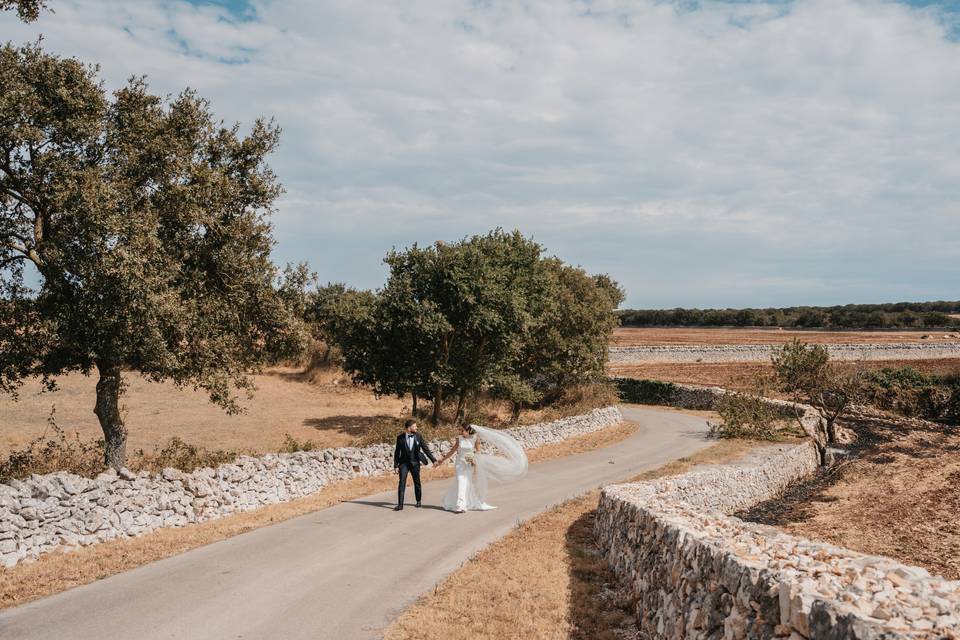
(391, 505)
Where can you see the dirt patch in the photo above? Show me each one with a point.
(663, 336)
(740, 375)
(59, 571)
(898, 497)
(546, 579)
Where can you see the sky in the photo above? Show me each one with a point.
(703, 153)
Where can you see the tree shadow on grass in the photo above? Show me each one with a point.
(880, 441)
(355, 426)
(599, 608)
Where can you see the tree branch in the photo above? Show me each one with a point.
(13, 246)
(8, 261)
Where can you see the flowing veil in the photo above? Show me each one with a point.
(511, 465)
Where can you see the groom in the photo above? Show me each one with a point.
(407, 458)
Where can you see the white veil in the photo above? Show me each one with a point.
(511, 465)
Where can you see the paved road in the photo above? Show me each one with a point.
(343, 572)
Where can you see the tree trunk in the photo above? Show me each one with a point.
(815, 437)
(832, 430)
(109, 388)
(517, 407)
(414, 410)
(461, 403)
(437, 404)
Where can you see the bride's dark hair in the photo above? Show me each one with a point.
(469, 429)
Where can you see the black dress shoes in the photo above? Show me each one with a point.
(399, 507)
(418, 505)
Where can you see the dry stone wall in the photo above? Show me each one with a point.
(704, 398)
(761, 353)
(47, 512)
(699, 573)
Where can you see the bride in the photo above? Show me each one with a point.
(474, 468)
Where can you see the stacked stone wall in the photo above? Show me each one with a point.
(698, 573)
(46, 512)
(761, 353)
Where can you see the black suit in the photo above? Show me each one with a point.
(408, 460)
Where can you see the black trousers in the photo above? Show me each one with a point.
(413, 470)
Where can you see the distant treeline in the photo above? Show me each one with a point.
(894, 315)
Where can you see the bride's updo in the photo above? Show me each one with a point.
(469, 429)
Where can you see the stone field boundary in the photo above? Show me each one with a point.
(697, 572)
(60, 510)
(761, 352)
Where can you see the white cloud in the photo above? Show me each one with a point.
(800, 153)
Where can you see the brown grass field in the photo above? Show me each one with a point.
(545, 580)
(319, 405)
(330, 411)
(59, 571)
(740, 375)
(657, 336)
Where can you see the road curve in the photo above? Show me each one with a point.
(343, 572)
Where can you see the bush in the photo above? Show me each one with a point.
(912, 393)
(633, 391)
(580, 399)
(60, 452)
(292, 445)
(745, 415)
(904, 377)
(55, 453)
(180, 455)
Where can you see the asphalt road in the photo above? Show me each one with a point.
(343, 572)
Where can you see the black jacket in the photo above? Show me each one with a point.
(416, 456)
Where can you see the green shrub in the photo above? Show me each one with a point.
(912, 393)
(905, 377)
(633, 391)
(745, 415)
(292, 445)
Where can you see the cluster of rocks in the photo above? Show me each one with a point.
(43, 513)
(697, 572)
(761, 352)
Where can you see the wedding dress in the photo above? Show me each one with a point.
(474, 470)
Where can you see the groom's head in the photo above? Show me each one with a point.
(410, 426)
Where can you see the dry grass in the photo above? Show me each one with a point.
(323, 407)
(639, 336)
(741, 375)
(317, 405)
(897, 498)
(56, 572)
(544, 580)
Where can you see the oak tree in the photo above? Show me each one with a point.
(806, 373)
(134, 235)
(568, 342)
